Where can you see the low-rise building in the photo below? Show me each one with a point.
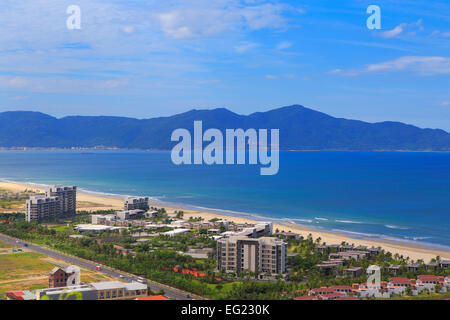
(343, 289)
(332, 296)
(444, 264)
(130, 214)
(354, 272)
(20, 295)
(94, 228)
(307, 298)
(414, 267)
(106, 290)
(102, 219)
(58, 277)
(398, 285)
(175, 232)
(394, 268)
(429, 281)
(288, 235)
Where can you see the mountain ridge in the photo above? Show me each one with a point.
(301, 128)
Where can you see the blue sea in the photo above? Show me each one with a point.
(402, 196)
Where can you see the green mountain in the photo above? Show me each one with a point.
(300, 129)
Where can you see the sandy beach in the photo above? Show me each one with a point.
(92, 202)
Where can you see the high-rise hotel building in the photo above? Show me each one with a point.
(67, 197)
(136, 203)
(261, 255)
(58, 200)
(42, 207)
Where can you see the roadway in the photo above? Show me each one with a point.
(169, 292)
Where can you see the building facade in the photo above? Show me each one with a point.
(67, 197)
(133, 203)
(263, 255)
(130, 214)
(58, 277)
(42, 207)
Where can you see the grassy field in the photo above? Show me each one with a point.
(21, 265)
(61, 228)
(29, 271)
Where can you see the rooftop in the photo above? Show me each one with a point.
(106, 285)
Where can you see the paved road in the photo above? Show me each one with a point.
(154, 286)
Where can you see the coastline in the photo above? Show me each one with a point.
(91, 201)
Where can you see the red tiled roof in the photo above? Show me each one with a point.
(330, 295)
(15, 294)
(408, 282)
(428, 277)
(341, 287)
(306, 298)
(347, 298)
(398, 279)
(322, 290)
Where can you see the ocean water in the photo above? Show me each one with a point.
(402, 196)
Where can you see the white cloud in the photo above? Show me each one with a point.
(445, 103)
(284, 45)
(280, 76)
(398, 30)
(244, 47)
(39, 54)
(204, 18)
(437, 33)
(394, 32)
(128, 29)
(421, 65)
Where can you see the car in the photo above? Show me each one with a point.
(98, 268)
(121, 276)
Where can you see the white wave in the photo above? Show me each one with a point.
(303, 220)
(390, 226)
(322, 219)
(348, 221)
(361, 234)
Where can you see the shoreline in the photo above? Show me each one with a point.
(91, 201)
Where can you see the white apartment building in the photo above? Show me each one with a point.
(67, 196)
(42, 207)
(133, 203)
(261, 255)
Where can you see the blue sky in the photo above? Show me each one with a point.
(155, 58)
